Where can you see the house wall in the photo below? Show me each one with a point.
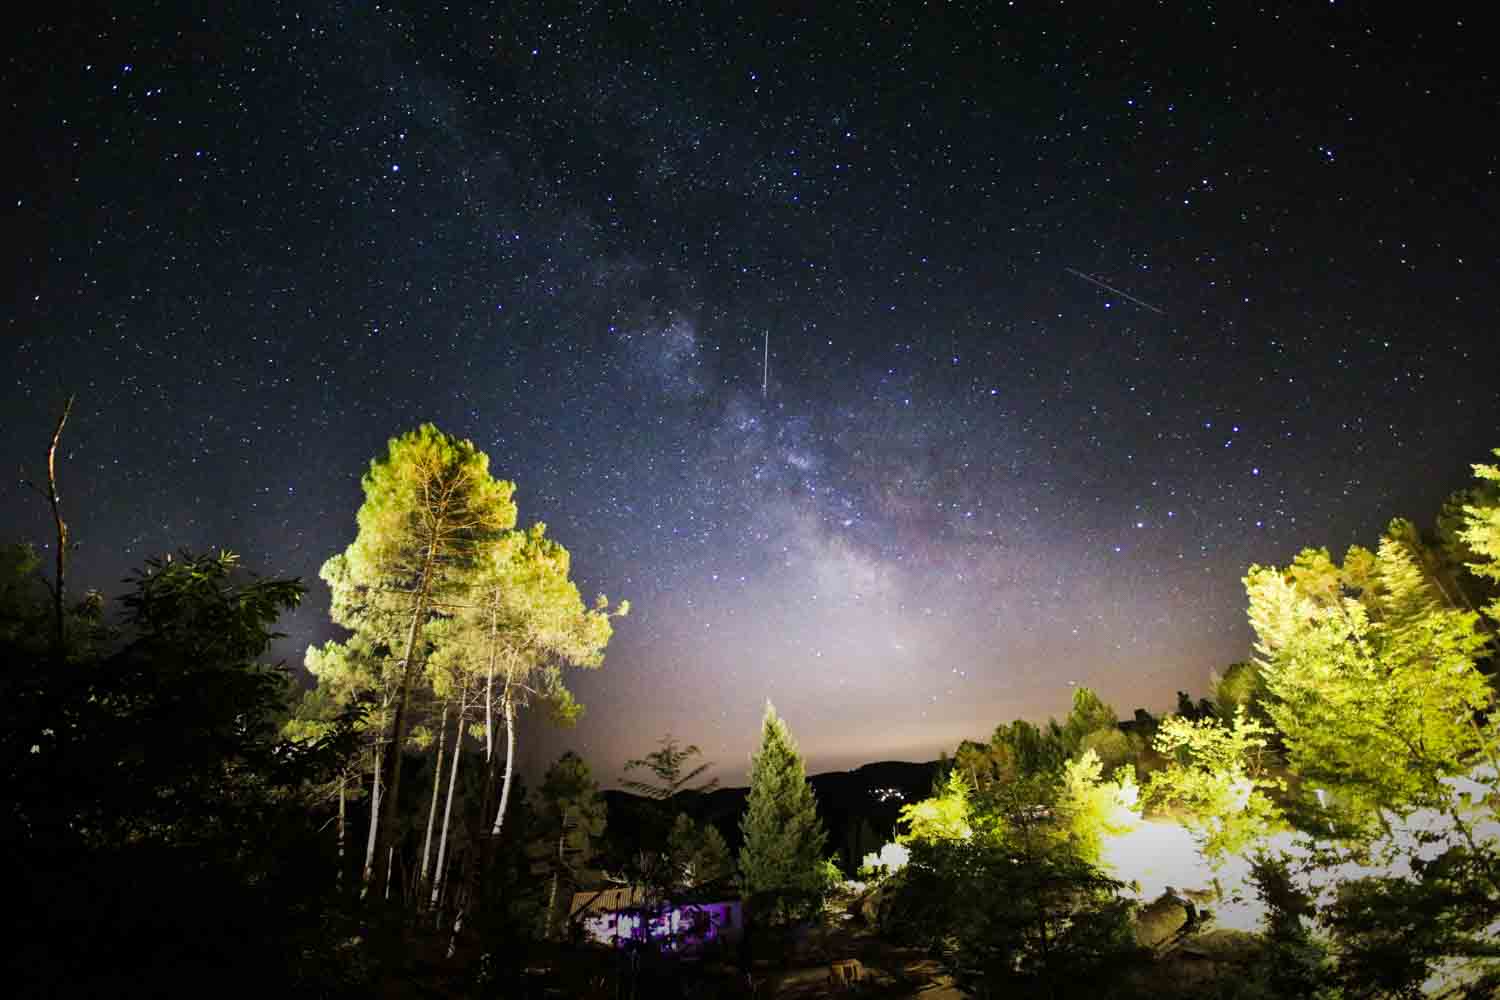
(721, 921)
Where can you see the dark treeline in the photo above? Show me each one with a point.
(180, 814)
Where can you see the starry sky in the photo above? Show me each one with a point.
(903, 364)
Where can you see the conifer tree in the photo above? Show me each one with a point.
(1089, 715)
(431, 507)
(783, 852)
(1371, 677)
(573, 816)
(526, 621)
(1371, 674)
(699, 855)
(1481, 531)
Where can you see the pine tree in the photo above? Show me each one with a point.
(526, 621)
(783, 852)
(697, 854)
(1217, 775)
(572, 817)
(431, 506)
(1089, 715)
(1481, 531)
(1371, 678)
(1371, 674)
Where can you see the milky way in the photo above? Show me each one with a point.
(259, 245)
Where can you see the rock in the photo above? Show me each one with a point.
(1160, 920)
(867, 907)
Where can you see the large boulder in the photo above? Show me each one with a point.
(869, 906)
(1161, 920)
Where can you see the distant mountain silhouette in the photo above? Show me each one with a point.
(872, 794)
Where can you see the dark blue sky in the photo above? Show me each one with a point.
(258, 244)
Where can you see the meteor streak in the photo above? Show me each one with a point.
(1111, 288)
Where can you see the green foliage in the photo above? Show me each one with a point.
(524, 620)
(667, 764)
(1029, 749)
(1371, 677)
(1089, 715)
(1371, 673)
(1217, 779)
(1481, 527)
(1022, 749)
(156, 817)
(430, 507)
(570, 816)
(1240, 686)
(1472, 507)
(784, 837)
(699, 854)
(516, 887)
(942, 817)
(27, 615)
(1114, 748)
(830, 876)
(1094, 808)
(982, 763)
(1393, 935)
(1013, 909)
(1292, 964)
(570, 804)
(434, 533)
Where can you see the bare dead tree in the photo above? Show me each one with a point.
(62, 528)
(55, 501)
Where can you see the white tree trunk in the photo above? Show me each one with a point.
(374, 815)
(550, 918)
(489, 692)
(437, 885)
(489, 713)
(386, 818)
(551, 914)
(437, 784)
(508, 710)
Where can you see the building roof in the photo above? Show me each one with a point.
(607, 900)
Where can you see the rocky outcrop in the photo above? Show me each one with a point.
(1163, 920)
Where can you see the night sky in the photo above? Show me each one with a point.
(260, 243)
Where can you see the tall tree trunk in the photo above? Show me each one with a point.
(550, 917)
(479, 864)
(437, 784)
(369, 872)
(508, 712)
(437, 884)
(489, 684)
(340, 873)
(398, 727)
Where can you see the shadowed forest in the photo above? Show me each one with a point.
(182, 815)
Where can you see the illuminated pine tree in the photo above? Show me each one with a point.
(1372, 681)
(431, 507)
(1481, 531)
(523, 623)
(784, 838)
